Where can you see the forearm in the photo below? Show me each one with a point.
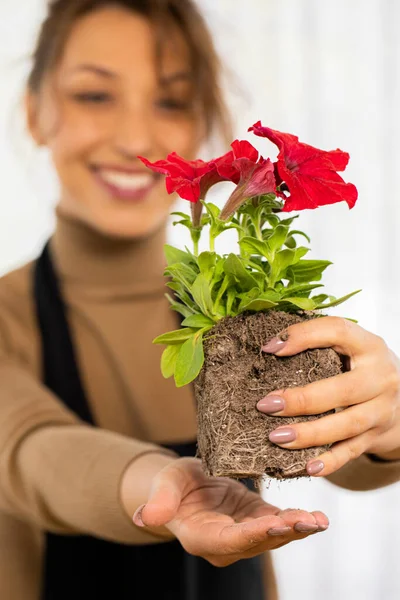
(70, 480)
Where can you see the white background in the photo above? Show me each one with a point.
(329, 72)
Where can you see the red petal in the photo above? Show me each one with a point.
(309, 173)
(243, 149)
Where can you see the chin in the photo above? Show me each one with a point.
(126, 229)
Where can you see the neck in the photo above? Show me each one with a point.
(87, 257)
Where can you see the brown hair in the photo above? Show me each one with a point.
(62, 14)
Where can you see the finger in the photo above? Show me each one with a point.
(216, 538)
(339, 391)
(168, 489)
(321, 520)
(340, 454)
(300, 520)
(344, 336)
(277, 537)
(348, 423)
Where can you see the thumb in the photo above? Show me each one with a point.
(167, 490)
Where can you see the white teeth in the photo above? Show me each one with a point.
(125, 181)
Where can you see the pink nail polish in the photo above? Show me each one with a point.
(274, 345)
(315, 467)
(305, 527)
(282, 436)
(279, 530)
(137, 517)
(271, 404)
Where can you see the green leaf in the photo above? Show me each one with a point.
(174, 337)
(202, 294)
(321, 298)
(190, 360)
(182, 295)
(278, 238)
(293, 290)
(267, 299)
(198, 321)
(180, 214)
(284, 259)
(297, 232)
(256, 264)
(257, 304)
(306, 271)
(338, 301)
(180, 308)
(174, 255)
(168, 360)
(183, 273)
(273, 220)
(206, 262)
(254, 246)
(290, 242)
(234, 267)
(231, 297)
(303, 303)
(213, 211)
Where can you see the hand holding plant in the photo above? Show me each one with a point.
(232, 304)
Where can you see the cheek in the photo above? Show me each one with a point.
(184, 139)
(72, 137)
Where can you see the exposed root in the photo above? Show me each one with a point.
(232, 433)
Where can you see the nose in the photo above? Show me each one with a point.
(134, 132)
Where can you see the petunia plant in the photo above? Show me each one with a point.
(269, 271)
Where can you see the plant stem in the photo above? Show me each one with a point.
(221, 292)
(258, 230)
(195, 234)
(212, 244)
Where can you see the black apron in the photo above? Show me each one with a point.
(84, 567)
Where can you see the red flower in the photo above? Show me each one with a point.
(191, 179)
(226, 166)
(254, 176)
(310, 174)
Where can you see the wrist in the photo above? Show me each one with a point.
(386, 456)
(137, 480)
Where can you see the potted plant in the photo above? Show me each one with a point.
(231, 305)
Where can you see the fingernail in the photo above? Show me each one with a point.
(282, 436)
(137, 517)
(274, 345)
(271, 404)
(322, 528)
(305, 527)
(278, 530)
(315, 467)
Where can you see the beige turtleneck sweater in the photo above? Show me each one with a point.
(56, 473)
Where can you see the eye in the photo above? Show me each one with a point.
(93, 97)
(174, 104)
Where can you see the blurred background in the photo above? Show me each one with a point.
(328, 72)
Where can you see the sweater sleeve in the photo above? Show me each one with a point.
(56, 472)
(365, 473)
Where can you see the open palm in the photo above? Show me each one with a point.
(219, 519)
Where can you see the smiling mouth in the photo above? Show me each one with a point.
(123, 185)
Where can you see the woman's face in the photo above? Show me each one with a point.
(105, 104)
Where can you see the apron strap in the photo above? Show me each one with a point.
(59, 363)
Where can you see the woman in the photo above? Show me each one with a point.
(98, 483)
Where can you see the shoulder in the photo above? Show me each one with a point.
(18, 326)
(16, 291)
